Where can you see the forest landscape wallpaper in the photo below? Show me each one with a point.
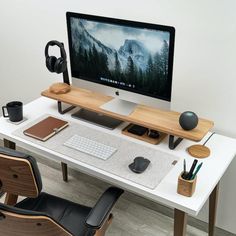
(123, 56)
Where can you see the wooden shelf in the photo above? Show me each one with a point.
(163, 121)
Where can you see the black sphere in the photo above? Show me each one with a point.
(188, 120)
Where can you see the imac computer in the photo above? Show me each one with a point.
(131, 61)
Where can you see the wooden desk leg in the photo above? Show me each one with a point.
(180, 223)
(9, 144)
(212, 210)
(64, 171)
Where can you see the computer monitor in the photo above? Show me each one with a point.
(131, 61)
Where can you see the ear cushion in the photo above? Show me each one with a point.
(60, 65)
(50, 63)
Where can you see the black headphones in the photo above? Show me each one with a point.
(54, 64)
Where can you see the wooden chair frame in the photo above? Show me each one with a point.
(18, 178)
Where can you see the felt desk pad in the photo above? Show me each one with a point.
(117, 164)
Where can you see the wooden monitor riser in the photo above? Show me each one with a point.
(152, 118)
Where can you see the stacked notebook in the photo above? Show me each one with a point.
(46, 128)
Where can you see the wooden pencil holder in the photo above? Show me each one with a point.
(186, 187)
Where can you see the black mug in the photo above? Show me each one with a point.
(14, 111)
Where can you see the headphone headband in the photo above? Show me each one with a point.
(57, 43)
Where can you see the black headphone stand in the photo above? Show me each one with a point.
(66, 77)
(59, 103)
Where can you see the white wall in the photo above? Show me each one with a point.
(204, 74)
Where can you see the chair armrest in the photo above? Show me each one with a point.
(103, 207)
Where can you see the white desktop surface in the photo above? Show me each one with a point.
(222, 153)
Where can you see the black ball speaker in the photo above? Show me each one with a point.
(188, 120)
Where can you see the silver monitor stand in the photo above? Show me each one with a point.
(119, 106)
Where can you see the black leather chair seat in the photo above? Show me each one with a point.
(70, 215)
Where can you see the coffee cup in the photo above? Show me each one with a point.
(13, 111)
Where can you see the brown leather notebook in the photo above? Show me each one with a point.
(46, 128)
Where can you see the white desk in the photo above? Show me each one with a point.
(222, 153)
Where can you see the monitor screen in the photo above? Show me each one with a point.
(133, 56)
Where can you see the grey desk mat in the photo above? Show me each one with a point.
(117, 164)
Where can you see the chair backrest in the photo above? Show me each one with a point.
(19, 222)
(19, 173)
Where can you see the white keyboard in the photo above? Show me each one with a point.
(90, 147)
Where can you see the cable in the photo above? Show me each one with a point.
(208, 138)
